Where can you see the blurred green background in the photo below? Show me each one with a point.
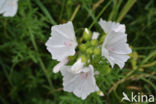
(26, 66)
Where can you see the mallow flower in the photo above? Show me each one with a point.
(79, 76)
(8, 7)
(115, 47)
(62, 43)
(81, 84)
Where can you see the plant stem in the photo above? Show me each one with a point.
(46, 12)
(98, 16)
(75, 12)
(125, 9)
(39, 59)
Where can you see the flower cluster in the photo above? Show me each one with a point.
(75, 56)
(8, 7)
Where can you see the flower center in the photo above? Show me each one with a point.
(111, 49)
(84, 75)
(68, 43)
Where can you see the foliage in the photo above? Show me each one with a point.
(26, 67)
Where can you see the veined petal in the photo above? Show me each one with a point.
(2, 3)
(8, 7)
(59, 65)
(117, 42)
(66, 30)
(62, 42)
(116, 49)
(105, 53)
(81, 84)
(111, 26)
(119, 59)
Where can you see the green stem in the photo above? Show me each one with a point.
(75, 12)
(40, 60)
(46, 12)
(101, 12)
(125, 9)
(62, 9)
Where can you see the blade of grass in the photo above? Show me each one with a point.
(149, 82)
(46, 12)
(115, 85)
(114, 12)
(3, 100)
(89, 11)
(39, 59)
(62, 9)
(153, 53)
(101, 12)
(125, 9)
(97, 4)
(149, 65)
(144, 48)
(75, 12)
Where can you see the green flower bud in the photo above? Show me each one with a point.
(87, 34)
(102, 38)
(94, 42)
(100, 93)
(71, 57)
(83, 58)
(97, 51)
(107, 69)
(83, 47)
(89, 51)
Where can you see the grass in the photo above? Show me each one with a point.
(26, 66)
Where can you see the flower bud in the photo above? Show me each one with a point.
(83, 47)
(100, 93)
(87, 34)
(83, 58)
(97, 51)
(102, 38)
(71, 57)
(94, 42)
(107, 69)
(89, 51)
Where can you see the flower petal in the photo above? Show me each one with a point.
(95, 35)
(115, 48)
(8, 8)
(59, 65)
(111, 26)
(62, 42)
(117, 42)
(119, 59)
(81, 84)
(77, 67)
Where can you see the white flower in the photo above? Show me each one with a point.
(77, 67)
(8, 7)
(81, 84)
(95, 35)
(59, 65)
(111, 26)
(115, 47)
(62, 42)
